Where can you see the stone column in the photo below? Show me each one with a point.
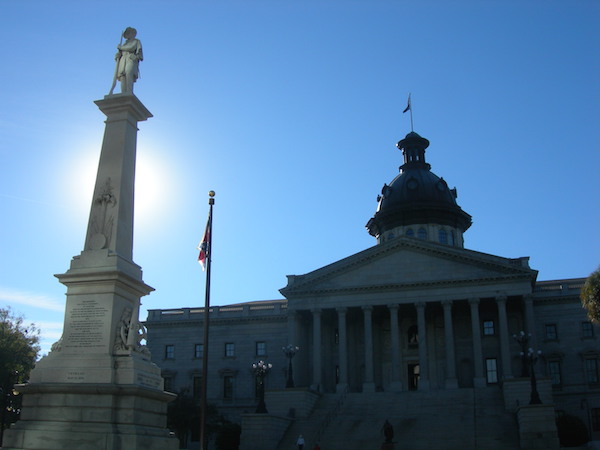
(396, 385)
(423, 362)
(503, 336)
(530, 319)
(316, 381)
(343, 349)
(479, 379)
(451, 381)
(368, 382)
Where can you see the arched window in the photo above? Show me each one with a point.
(422, 234)
(412, 336)
(410, 232)
(443, 236)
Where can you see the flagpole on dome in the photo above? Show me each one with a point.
(409, 108)
(204, 258)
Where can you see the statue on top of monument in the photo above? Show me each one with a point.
(128, 58)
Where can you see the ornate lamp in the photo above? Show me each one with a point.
(289, 351)
(261, 369)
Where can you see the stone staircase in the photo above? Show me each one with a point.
(460, 419)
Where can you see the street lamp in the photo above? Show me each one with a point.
(529, 357)
(289, 352)
(533, 356)
(523, 340)
(261, 369)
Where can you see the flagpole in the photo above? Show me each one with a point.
(208, 253)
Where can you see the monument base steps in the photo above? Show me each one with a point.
(91, 417)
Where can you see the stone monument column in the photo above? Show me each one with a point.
(316, 377)
(97, 388)
(396, 384)
(451, 381)
(503, 335)
(343, 349)
(423, 353)
(479, 379)
(368, 382)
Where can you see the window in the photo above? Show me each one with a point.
(410, 232)
(551, 332)
(591, 370)
(554, 373)
(198, 350)
(595, 412)
(491, 368)
(197, 387)
(488, 328)
(587, 330)
(422, 234)
(228, 387)
(261, 348)
(168, 383)
(413, 336)
(443, 237)
(229, 349)
(169, 351)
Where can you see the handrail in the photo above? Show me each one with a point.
(331, 415)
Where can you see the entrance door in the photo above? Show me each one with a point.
(413, 376)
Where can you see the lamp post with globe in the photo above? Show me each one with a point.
(261, 369)
(289, 351)
(529, 358)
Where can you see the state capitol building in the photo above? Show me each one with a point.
(417, 330)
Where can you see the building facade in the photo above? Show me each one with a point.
(415, 312)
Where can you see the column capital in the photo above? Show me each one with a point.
(341, 310)
(474, 301)
(420, 305)
(501, 299)
(447, 303)
(316, 310)
(367, 308)
(393, 306)
(528, 298)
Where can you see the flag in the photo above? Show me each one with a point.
(408, 106)
(203, 246)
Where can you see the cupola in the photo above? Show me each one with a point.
(418, 203)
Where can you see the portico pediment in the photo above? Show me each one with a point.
(407, 262)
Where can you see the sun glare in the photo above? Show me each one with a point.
(153, 182)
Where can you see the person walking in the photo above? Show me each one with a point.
(300, 442)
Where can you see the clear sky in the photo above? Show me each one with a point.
(290, 110)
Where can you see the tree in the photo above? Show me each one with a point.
(19, 348)
(572, 432)
(590, 296)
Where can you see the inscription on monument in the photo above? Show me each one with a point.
(87, 328)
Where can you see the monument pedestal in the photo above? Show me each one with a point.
(59, 416)
(97, 388)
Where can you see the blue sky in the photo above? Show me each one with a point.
(290, 111)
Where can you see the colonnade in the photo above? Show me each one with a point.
(396, 360)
